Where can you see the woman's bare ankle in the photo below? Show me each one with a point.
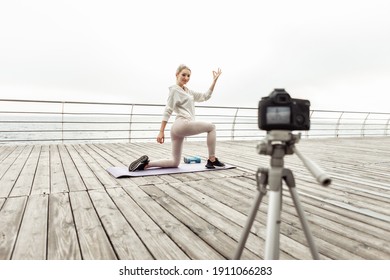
(212, 158)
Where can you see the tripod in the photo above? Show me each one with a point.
(277, 144)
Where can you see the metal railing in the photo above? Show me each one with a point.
(24, 121)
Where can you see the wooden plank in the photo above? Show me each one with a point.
(6, 151)
(89, 178)
(330, 235)
(218, 203)
(9, 160)
(32, 238)
(340, 212)
(125, 241)
(101, 174)
(353, 240)
(357, 207)
(255, 244)
(190, 243)
(327, 241)
(216, 238)
(73, 178)
(11, 214)
(377, 229)
(25, 180)
(62, 237)
(107, 154)
(157, 242)
(290, 226)
(8, 180)
(94, 243)
(349, 197)
(58, 181)
(41, 184)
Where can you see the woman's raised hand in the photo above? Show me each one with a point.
(216, 74)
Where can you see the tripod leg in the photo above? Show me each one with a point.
(290, 181)
(305, 225)
(262, 189)
(248, 225)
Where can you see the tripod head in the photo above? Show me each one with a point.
(279, 143)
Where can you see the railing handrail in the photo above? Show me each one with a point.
(236, 121)
(162, 105)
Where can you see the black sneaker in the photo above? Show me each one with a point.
(212, 164)
(139, 164)
(209, 165)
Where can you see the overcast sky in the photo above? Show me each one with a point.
(334, 53)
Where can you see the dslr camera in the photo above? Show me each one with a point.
(279, 111)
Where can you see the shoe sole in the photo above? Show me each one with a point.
(215, 167)
(135, 164)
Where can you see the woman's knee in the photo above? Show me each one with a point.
(176, 163)
(211, 127)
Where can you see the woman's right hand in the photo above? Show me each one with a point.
(160, 137)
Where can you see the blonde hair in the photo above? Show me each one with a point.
(181, 68)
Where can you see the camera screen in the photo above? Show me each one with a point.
(278, 115)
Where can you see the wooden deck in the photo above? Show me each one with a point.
(58, 202)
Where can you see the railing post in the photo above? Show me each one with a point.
(234, 123)
(338, 125)
(364, 124)
(131, 121)
(387, 127)
(62, 120)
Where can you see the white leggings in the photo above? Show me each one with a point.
(180, 129)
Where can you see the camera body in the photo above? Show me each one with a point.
(279, 111)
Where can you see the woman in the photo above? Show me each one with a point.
(181, 101)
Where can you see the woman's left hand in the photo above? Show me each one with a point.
(216, 74)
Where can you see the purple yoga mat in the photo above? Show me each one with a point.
(120, 172)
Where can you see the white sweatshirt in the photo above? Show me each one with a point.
(182, 102)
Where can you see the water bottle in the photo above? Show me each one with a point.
(192, 159)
